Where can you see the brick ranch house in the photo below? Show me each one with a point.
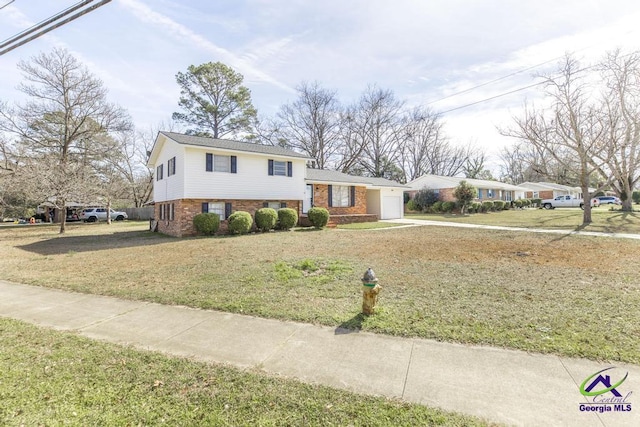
(444, 186)
(197, 174)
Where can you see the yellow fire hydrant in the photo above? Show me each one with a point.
(370, 291)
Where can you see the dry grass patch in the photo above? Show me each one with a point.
(569, 295)
(605, 219)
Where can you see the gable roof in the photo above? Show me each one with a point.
(227, 144)
(438, 182)
(331, 176)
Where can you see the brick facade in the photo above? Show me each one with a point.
(321, 200)
(544, 194)
(184, 210)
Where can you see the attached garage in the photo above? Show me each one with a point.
(392, 207)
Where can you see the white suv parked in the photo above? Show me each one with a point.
(100, 214)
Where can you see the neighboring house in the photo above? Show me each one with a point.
(349, 196)
(549, 190)
(197, 174)
(444, 186)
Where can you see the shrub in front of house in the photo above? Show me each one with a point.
(518, 203)
(507, 206)
(448, 207)
(266, 219)
(425, 199)
(487, 206)
(287, 218)
(412, 205)
(535, 202)
(240, 222)
(436, 207)
(206, 223)
(477, 206)
(318, 217)
(498, 205)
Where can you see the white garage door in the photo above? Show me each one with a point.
(391, 207)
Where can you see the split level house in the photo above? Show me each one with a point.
(444, 186)
(196, 174)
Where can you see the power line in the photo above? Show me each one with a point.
(492, 97)
(7, 4)
(42, 27)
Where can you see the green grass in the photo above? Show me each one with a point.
(604, 219)
(54, 378)
(570, 295)
(368, 225)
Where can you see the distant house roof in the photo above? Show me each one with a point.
(227, 144)
(437, 182)
(548, 186)
(331, 176)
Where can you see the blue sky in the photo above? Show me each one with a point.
(422, 50)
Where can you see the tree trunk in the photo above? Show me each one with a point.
(626, 196)
(109, 212)
(62, 216)
(586, 200)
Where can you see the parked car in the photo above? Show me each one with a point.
(567, 202)
(609, 200)
(100, 214)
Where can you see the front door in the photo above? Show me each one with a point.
(307, 203)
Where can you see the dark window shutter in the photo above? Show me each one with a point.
(330, 195)
(270, 167)
(353, 195)
(234, 164)
(289, 168)
(283, 205)
(205, 207)
(227, 210)
(209, 167)
(265, 204)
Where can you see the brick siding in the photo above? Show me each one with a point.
(187, 209)
(321, 200)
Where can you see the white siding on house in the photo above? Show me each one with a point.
(169, 187)
(251, 182)
(373, 202)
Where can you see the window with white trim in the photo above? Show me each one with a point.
(219, 163)
(279, 168)
(218, 208)
(171, 166)
(490, 193)
(159, 171)
(341, 196)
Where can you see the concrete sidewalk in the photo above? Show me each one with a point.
(504, 386)
(418, 222)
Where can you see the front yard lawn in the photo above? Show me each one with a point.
(55, 378)
(569, 295)
(604, 219)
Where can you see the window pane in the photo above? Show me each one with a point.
(340, 196)
(217, 208)
(221, 163)
(280, 168)
(274, 205)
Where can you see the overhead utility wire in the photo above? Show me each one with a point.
(19, 39)
(7, 4)
(494, 80)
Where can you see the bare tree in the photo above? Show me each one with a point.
(423, 135)
(62, 130)
(374, 130)
(570, 130)
(621, 74)
(311, 124)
